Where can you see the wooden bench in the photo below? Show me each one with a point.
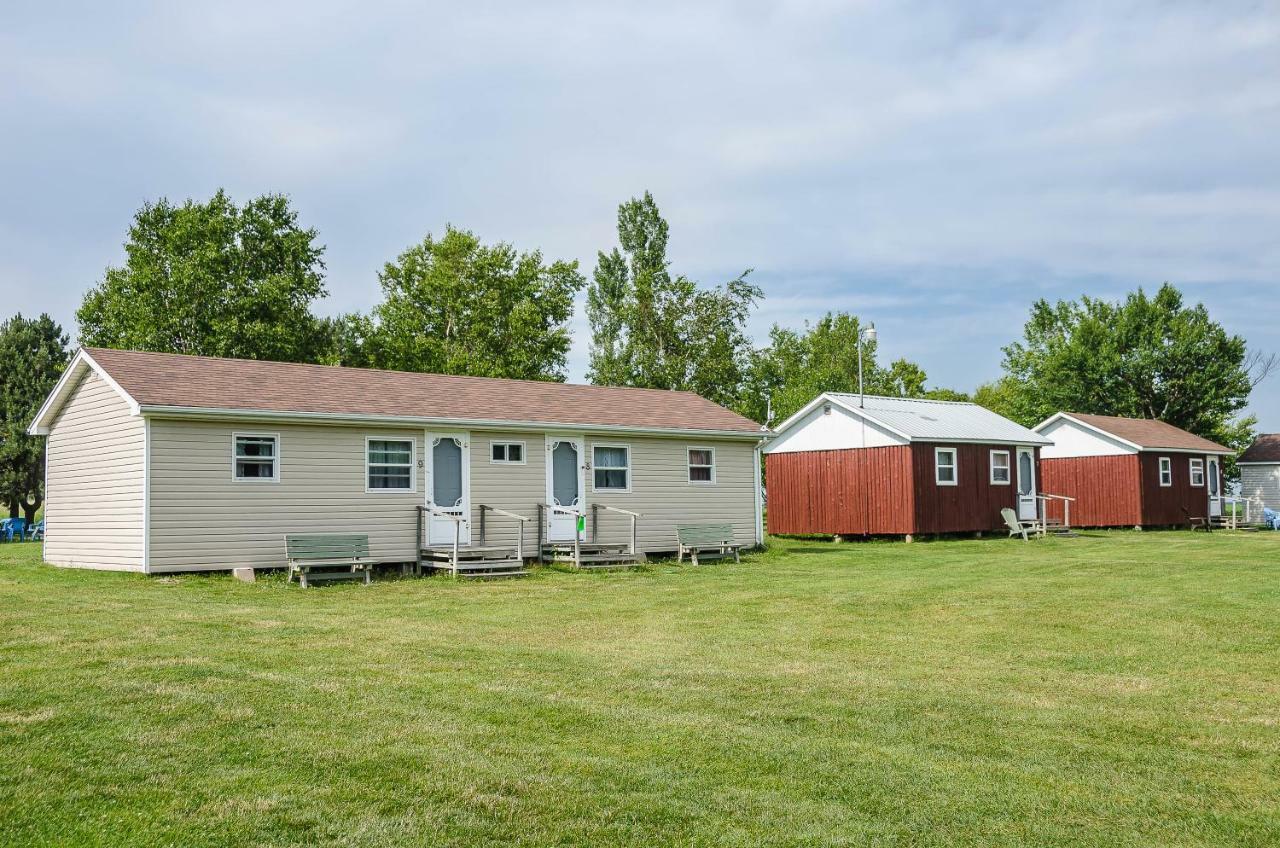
(1197, 522)
(328, 557)
(709, 541)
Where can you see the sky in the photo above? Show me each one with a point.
(932, 167)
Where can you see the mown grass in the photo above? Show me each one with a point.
(1116, 689)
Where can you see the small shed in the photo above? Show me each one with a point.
(1131, 472)
(848, 465)
(1260, 470)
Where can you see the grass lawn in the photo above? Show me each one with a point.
(1116, 689)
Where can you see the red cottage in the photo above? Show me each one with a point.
(846, 465)
(1131, 472)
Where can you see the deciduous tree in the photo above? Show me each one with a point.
(215, 279)
(33, 354)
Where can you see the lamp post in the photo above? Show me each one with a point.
(864, 334)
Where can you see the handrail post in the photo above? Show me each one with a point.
(595, 522)
(633, 535)
(1066, 514)
(541, 524)
(483, 508)
(577, 546)
(457, 535)
(520, 542)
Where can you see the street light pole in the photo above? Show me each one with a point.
(869, 334)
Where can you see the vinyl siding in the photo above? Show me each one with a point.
(662, 493)
(515, 488)
(203, 519)
(1261, 481)
(94, 481)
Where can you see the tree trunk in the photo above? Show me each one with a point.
(29, 510)
(13, 509)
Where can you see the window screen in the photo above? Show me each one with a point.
(446, 473)
(564, 474)
(256, 457)
(612, 466)
(390, 464)
(702, 465)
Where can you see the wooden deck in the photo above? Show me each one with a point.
(590, 555)
(472, 561)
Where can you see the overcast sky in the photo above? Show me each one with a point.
(933, 167)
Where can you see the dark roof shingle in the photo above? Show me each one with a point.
(1265, 448)
(241, 385)
(1150, 434)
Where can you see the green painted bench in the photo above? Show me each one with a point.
(708, 541)
(328, 557)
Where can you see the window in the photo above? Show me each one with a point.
(1166, 471)
(506, 453)
(611, 468)
(1197, 471)
(256, 457)
(702, 465)
(1000, 467)
(944, 466)
(389, 465)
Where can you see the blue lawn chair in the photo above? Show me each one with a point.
(1271, 518)
(36, 531)
(13, 527)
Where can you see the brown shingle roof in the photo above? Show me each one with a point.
(199, 383)
(1150, 434)
(1265, 448)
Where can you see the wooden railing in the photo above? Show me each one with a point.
(1044, 499)
(458, 521)
(543, 509)
(523, 520)
(595, 521)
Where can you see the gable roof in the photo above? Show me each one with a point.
(174, 384)
(1265, 448)
(1142, 433)
(922, 420)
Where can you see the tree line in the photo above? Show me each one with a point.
(216, 278)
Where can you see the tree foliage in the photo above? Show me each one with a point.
(33, 354)
(652, 329)
(798, 365)
(454, 305)
(1145, 357)
(212, 278)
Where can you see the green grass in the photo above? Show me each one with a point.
(1116, 689)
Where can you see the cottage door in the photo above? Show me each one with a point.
(1027, 501)
(448, 489)
(1215, 491)
(564, 487)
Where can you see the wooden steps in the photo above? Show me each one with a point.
(591, 555)
(473, 561)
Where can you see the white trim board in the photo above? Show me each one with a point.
(80, 363)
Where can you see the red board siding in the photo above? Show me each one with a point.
(973, 503)
(864, 491)
(1106, 489)
(1163, 505)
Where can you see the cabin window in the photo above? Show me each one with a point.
(944, 466)
(702, 465)
(1166, 471)
(256, 457)
(611, 468)
(506, 453)
(1000, 467)
(389, 465)
(1197, 471)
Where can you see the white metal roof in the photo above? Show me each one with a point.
(923, 420)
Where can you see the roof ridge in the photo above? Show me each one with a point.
(90, 349)
(914, 400)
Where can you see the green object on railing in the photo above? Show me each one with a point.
(582, 523)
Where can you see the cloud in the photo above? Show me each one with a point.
(934, 165)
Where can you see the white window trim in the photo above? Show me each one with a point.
(689, 466)
(1008, 469)
(1166, 469)
(524, 452)
(954, 465)
(275, 466)
(592, 468)
(1192, 468)
(413, 465)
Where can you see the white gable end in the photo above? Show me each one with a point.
(831, 427)
(1073, 439)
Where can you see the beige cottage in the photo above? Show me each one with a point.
(162, 463)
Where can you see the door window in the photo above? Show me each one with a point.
(564, 474)
(446, 473)
(1026, 481)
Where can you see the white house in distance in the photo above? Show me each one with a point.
(1260, 470)
(163, 463)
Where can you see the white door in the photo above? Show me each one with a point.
(564, 486)
(448, 488)
(1215, 490)
(1027, 484)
